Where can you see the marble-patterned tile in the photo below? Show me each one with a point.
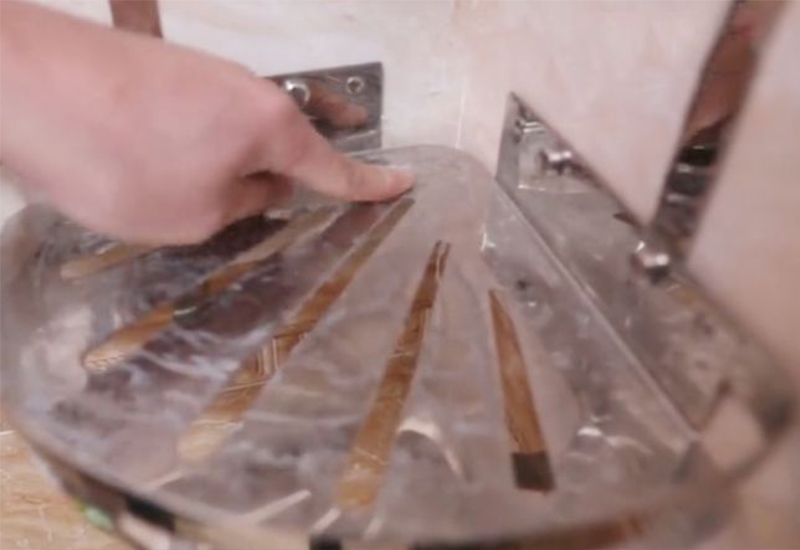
(34, 513)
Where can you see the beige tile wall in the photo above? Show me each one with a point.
(609, 75)
(34, 513)
(615, 78)
(423, 60)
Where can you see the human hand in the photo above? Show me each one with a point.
(155, 143)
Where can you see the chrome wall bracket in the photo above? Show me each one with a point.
(344, 103)
(674, 335)
(710, 123)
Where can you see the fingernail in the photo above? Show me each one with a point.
(385, 182)
(400, 179)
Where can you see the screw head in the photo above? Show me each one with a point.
(651, 260)
(355, 85)
(299, 90)
(524, 125)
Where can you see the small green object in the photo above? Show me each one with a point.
(97, 517)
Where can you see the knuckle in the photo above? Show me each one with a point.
(278, 110)
(280, 130)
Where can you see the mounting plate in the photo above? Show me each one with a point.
(345, 103)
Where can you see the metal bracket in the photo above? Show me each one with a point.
(709, 124)
(674, 334)
(344, 103)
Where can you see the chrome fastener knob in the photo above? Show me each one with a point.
(651, 260)
(299, 90)
(556, 160)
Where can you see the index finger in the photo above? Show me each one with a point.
(289, 145)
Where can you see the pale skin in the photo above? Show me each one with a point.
(154, 143)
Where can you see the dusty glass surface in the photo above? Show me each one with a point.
(431, 369)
